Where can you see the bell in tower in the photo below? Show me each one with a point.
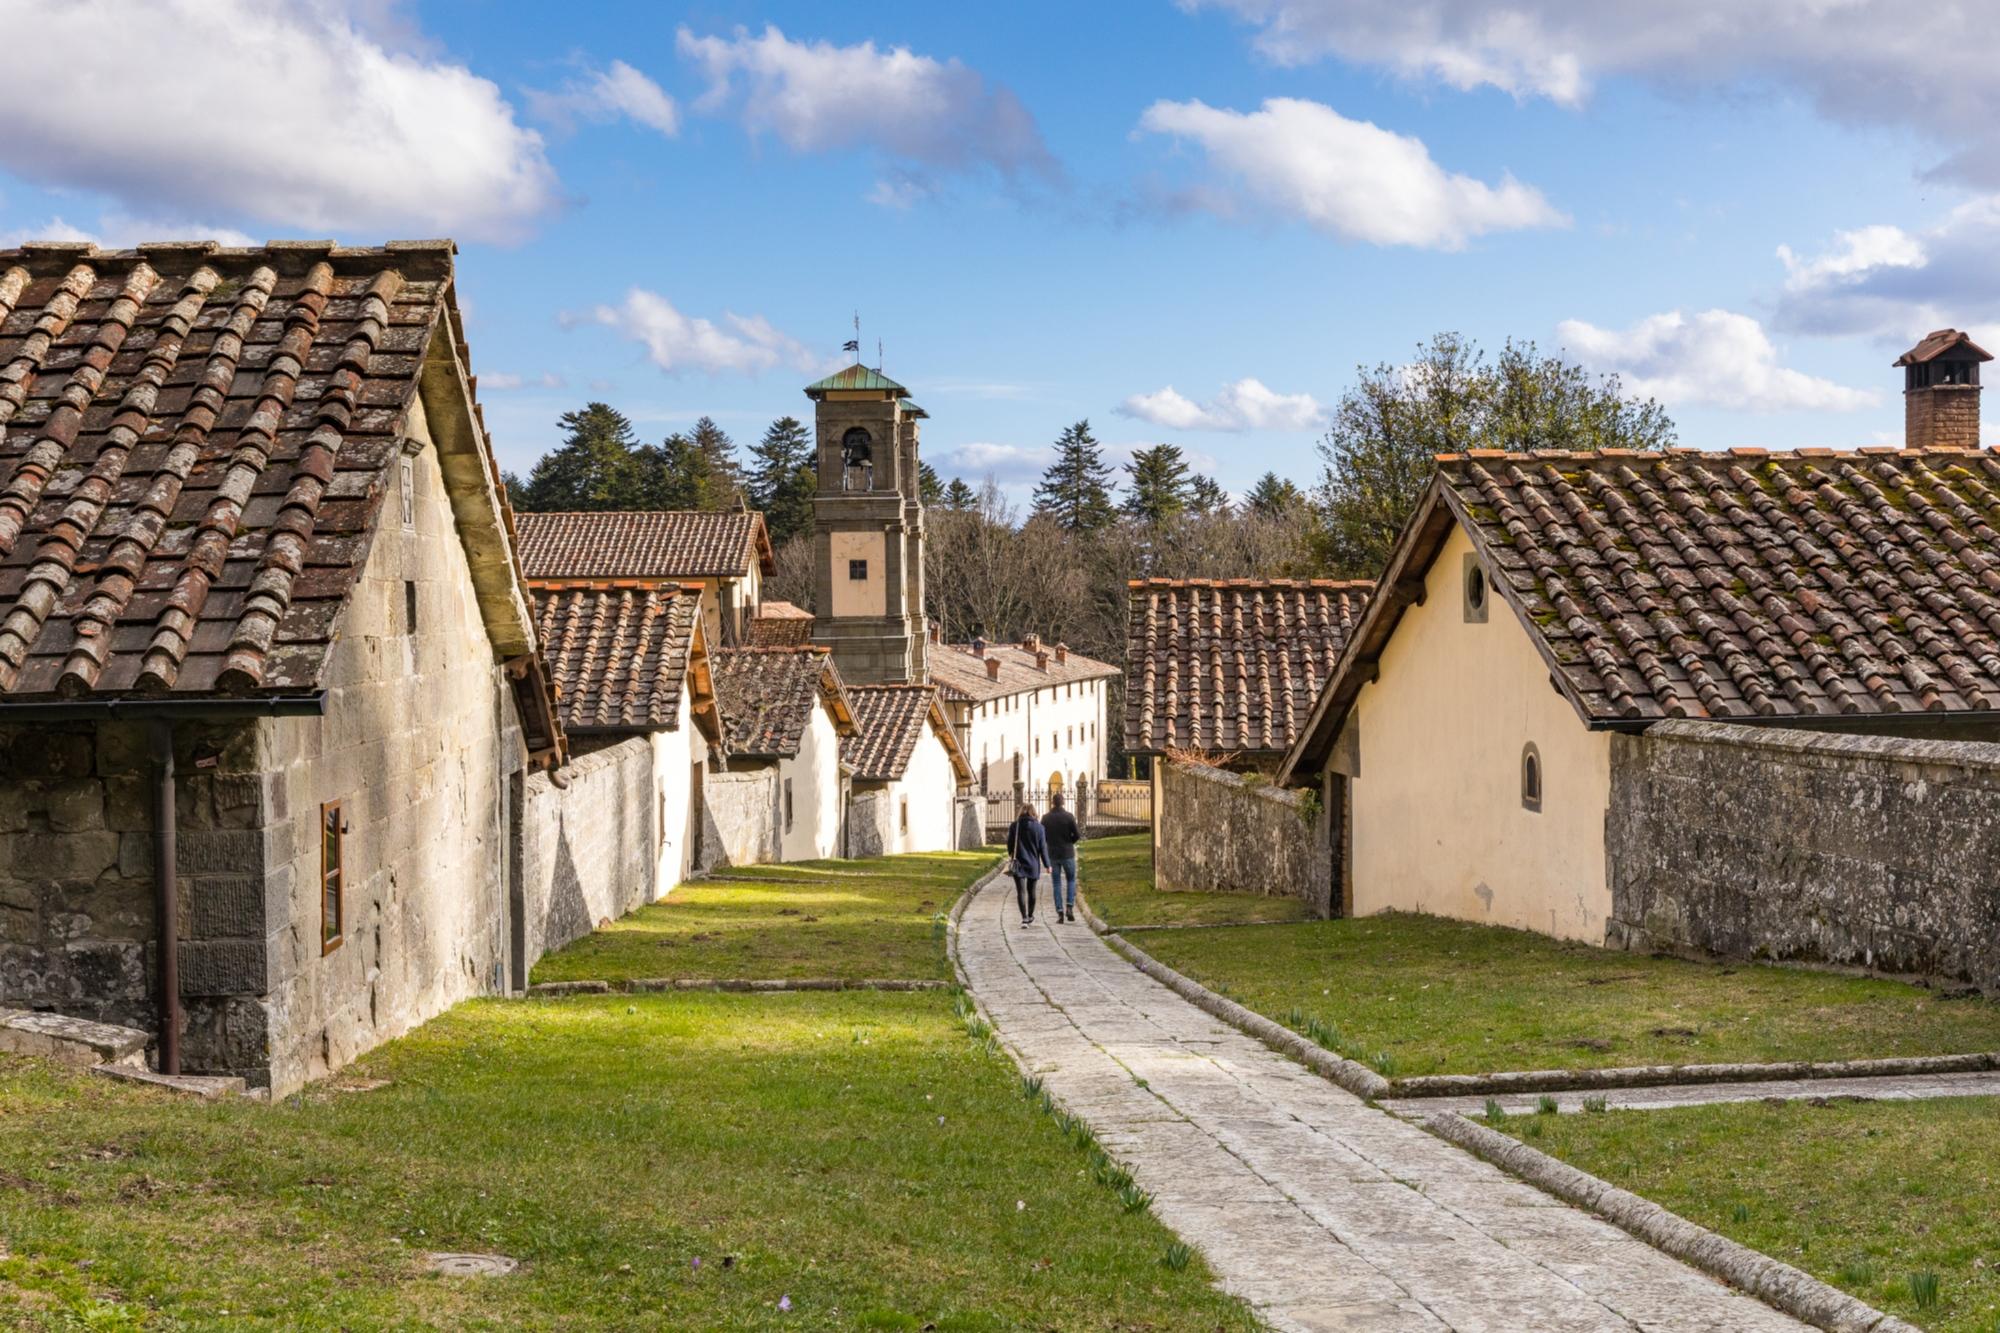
(868, 528)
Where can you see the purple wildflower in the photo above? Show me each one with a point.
(784, 1303)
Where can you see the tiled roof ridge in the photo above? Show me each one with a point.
(776, 648)
(145, 250)
(1731, 451)
(1284, 583)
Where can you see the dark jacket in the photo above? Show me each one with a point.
(1029, 848)
(1060, 828)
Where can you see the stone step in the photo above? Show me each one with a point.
(206, 1086)
(72, 1041)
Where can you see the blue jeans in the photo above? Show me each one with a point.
(1063, 868)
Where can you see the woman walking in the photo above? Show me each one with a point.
(1028, 848)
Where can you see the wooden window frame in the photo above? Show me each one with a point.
(332, 877)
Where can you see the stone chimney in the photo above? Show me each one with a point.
(937, 632)
(1033, 643)
(992, 665)
(1062, 652)
(1041, 660)
(1941, 391)
(979, 645)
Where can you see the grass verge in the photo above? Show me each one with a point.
(846, 919)
(1116, 875)
(1896, 1202)
(852, 1156)
(1414, 995)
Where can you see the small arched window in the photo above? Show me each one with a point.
(1531, 777)
(857, 460)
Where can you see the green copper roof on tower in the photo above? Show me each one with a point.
(856, 376)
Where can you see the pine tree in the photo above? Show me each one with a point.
(783, 478)
(721, 476)
(959, 497)
(1274, 497)
(672, 474)
(1206, 496)
(591, 469)
(930, 486)
(1075, 491)
(1157, 486)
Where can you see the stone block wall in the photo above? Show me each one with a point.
(588, 850)
(871, 823)
(740, 818)
(1220, 832)
(1750, 842)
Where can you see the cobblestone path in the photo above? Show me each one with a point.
(1320, 1211)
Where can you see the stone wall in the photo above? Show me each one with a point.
(871, 823)
(969, 818)
(1220, 832)
(740, 814)
(588, 850)
(1857, 850)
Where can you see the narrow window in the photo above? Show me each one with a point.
(332, 886)
(788, 805)
(1475, 590)
(904, 814)
(857, 570)
(1531, 777)
(409, 606)
(409, 479)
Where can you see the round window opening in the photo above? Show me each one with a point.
(1475, 588)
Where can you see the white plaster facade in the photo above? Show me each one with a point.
(811, 792)
(1045, 738)
(1435, 747)
(923, 801)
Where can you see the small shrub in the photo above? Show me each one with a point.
(1031, 1086)
(1134, 1200)
(1740, 1213)
(1924, 1289)
(1495, 1112)
(1596, 1105)
(1178, 1255)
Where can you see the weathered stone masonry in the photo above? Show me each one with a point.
(1229, 834)
(1846, 849)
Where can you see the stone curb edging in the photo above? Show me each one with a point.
(644, 985)
(1357, 1078)
(1797, 1293)
(1653, 1076)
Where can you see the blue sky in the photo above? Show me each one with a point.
(1186, 222)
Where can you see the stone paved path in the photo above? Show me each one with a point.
(1896, 1088)
(1321, 1212)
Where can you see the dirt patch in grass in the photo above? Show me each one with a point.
(1869, 1196)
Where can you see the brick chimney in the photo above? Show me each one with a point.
(979, 645)
(1041, 660)
(1941, 391)
(992, 665)
(937, 632)
(1033, 643)
(1062, 652)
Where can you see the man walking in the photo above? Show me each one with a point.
(1059, 827)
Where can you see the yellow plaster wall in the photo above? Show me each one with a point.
(1439, 826)
(858, 597)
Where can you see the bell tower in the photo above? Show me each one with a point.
(868, 528)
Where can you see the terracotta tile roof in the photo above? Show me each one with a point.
(619, 650)
(767, 697)
(889, 720)
(1743, 584)
(655, 544)
(957, 665)
(780, 625)
(1231, 666)
(197, 442)
(1939, 341)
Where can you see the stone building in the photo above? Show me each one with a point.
(268, 680)
(1541, 607)
(868, 528)
(727, 553)
(908, 773)
(785, 709)
(1029, 717)
(629, 658)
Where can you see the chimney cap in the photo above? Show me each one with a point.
(1041, 660)
(1938, 343)
(1062, 652)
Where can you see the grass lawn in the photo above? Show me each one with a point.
(1421, 995)
(1116, 879)
(856, 1154)
(1864, 1195)
(847, 919)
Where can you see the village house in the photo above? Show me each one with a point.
(779, 624)
(727, 552)
(785, 709)
(1029, 718)
(908, 774)
(1542, 611)
(269, 690)
(630, 662)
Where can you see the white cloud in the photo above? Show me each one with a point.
(292, 115)
(120, 231)
(1887, 283)
(1712, 358)
(604, 95)
(1348, 177)
(817, 96)
(1872, 62)
(675, 342)
(548, 379)
(1245, 405)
